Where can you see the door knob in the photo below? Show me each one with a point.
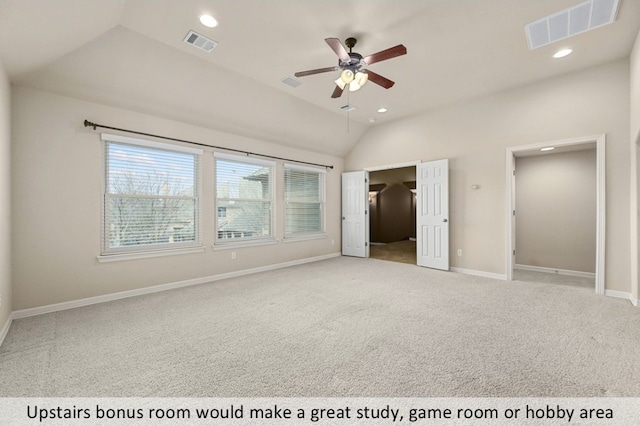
(445, 220)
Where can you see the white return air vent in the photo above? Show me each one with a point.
(569, 22)
(292, 82)
(347, 107)
(200, 41)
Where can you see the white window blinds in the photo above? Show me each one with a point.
(150, 196)
(304, 201)
(244, 199)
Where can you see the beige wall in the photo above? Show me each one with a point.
(474, 135)
(635, 90)
(635, 176)
(556, 210)
(57, 181)
(5, 199)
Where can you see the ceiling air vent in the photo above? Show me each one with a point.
(200, 41)
(347, 107)
(572, 21)
(290, 81)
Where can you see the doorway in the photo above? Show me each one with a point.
(530, 253)
(431, 213)
(392, 214)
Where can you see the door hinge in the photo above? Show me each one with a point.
(366, 244)
(514, 212)
(365, 212)
(514, 172)
(514, 252)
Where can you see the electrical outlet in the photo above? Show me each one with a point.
(233, 255)
(459, 252)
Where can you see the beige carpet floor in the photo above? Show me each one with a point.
(341, 327)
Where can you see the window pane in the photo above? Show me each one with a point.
(147, 221)
(303, 218)
(242, 180)
(304, 196)
(243, 200)
(150, 198)
(302, 186)
(245, 219)
(147, 171)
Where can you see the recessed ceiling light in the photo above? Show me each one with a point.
(549, 148)
(372, 120)
(382, 110)
(562, 53)
(208, 21)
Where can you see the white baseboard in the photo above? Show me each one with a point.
(501, 277)
(5, 329)
(555, 271)
(634, 302)
(618, 294)
(162, 287)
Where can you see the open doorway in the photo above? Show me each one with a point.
(392, 210)
(556, 216)
(556, 213)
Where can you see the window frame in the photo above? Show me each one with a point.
(220, 243)
(147, 250)
(322, 173)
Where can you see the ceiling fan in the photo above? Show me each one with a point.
(353, 75)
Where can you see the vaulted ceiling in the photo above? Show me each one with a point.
(131, 54)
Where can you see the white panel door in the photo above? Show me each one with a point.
(355, 214)
(432, 194)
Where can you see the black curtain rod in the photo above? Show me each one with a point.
(88, 123)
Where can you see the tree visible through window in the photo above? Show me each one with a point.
(150, 199)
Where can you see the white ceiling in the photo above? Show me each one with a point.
(130, 54)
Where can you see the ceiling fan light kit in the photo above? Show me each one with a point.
(346, 76)
(353, 74)
(354, 81)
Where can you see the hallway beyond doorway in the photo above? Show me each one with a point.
(399, 251)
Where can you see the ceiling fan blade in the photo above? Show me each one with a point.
(337, 47)
(380, 80)
(383, 55)
(337, 92)
(316, 71)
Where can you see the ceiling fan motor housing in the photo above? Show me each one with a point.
(355, 62)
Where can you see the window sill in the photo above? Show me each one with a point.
(304, 238)
(143, 255)
(236, 244)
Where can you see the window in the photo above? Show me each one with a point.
(150, 196)
(244, 192)
(304, 201)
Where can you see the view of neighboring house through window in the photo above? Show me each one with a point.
(150, 196)
(244, 199)
(304, 201)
